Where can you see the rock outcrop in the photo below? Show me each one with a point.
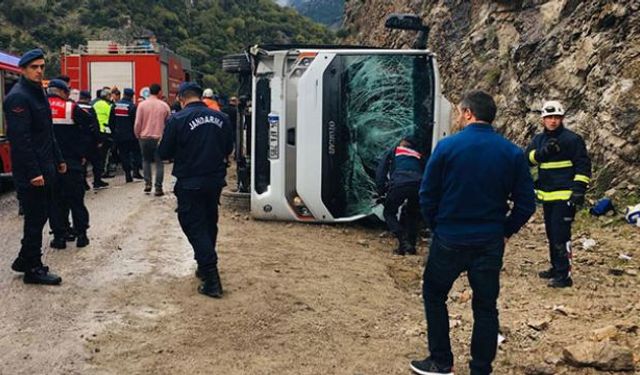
(585, 53)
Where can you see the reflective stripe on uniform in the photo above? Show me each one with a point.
(532, 157)
(549, 196)
(582, 178)
(556, 164)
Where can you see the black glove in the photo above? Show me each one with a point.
(549, 149)
(577, 198)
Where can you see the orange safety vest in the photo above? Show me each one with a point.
(212, 104)
(61, 111)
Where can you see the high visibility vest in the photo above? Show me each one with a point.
(61, 111)
(103, 109)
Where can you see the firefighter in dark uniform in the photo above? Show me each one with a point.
(564, 171)
(35, 157)
(69, 124)
(92, 137)
(398, 176)
(121, 121)
(199, 140)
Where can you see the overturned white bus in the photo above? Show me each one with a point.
(323, 115)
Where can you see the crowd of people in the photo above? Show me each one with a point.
(54, 138)
(474, 192)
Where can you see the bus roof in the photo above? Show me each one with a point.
(9, 62)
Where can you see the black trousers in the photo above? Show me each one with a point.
(558, 217)
(130, 155)
(444, 265)
(97, 166)
(70, 193)
(39, 205)
(407, 226)
(104, 153)
(198, 216)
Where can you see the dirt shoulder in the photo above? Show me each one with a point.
(300, 299)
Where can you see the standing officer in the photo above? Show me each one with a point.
(564, 171)
(199, 140)
(69, 124)
(92, 135)
(398, 175)
(35, 157)
(102, 108)
(122, 120)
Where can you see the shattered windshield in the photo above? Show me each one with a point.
(385, 97)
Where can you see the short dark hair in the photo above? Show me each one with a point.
(187, 94)
(481, 104)
(154, 89)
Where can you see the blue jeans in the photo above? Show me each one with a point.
(483, 264)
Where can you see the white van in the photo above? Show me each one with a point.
(322, 116)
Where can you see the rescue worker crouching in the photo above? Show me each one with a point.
(199, 140)
(35, 157)
(69, 124)
(122, 120)
(398, 175)
(564, 171)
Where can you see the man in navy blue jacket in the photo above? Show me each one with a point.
(199, 140)
(36, 160)
(464, 197)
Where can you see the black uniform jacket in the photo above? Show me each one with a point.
(122, 120)
(199, 140)
(564, 173)
(34, 150)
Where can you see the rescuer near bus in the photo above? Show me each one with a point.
(122, 120)
(199, 140)
(398, 176)
(69, 124)
(36, 158)
(564, 171)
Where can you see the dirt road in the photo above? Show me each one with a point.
(300, 299)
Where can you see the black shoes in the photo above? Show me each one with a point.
(83, 240)
(137, 175)
(41, 275)
(159, 192)
(405, 247)
(547, 274)
(147, 188)
(128, 178)
(19, 265)
(211, 285)
(430, 367)
(560, 282)
(100, 185)
(58, 243)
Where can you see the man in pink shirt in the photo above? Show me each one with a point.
(149, 126)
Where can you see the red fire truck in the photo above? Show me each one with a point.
(103, 63)
(9, 74)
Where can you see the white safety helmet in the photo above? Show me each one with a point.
(552, 108)
(207, 93)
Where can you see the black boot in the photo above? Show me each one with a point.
(70, 235)
(58, 243)
(83, 240)
(128, 178)
(41, 275)
(547, 274)
(402, 248)
(560, 282)
(99, 184)
(20, 264)
(211, 285)
(137, 175)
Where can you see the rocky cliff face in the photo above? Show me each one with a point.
(584, 53)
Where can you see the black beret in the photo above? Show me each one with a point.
(189, 86)
(29, 56)
(59, 84)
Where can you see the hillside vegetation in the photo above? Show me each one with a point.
(203, 31)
